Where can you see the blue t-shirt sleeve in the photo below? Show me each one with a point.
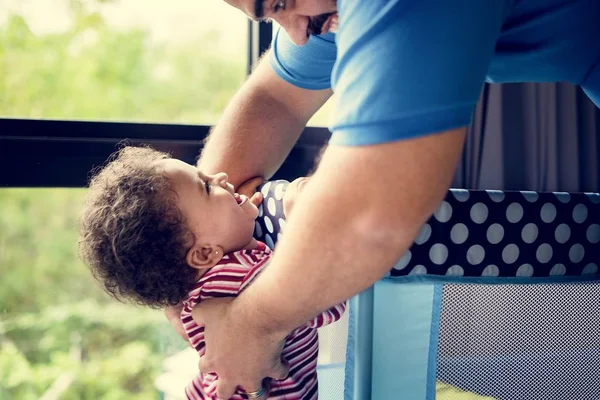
(308, 66)
(407, 68)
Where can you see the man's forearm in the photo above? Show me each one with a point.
(253, 139)
(259, 127)
(355, 218)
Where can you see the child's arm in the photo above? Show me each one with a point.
(173, 314)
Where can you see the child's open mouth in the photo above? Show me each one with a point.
(240, 198)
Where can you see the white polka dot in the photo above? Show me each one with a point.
(475, 254)
(525, 270)
(529, 233)
(495, 233)
(563, 197)
(403, 262)
(479, 213)
(590, 269)
(461, 195)
(530, 196)
(593, 233)
(257, 229)
(562, 233)
(279, 236)
(438, 254)
(279, 191)
(271, 206)
(576, 253)
(282, 224)
(268, 224)
(544, 253)
(424, 234)
(418, 270)
(510, 253)
(496, 195)
(459, 233)
(593, 197)
(580, 213)
(260, 210)
(558, 269)
(265, 189)
(548, 212)
(269, 242)
(444, 212)
(455, 270)
(514, 212)
(491, 270)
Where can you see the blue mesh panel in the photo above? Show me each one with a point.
(521, 342)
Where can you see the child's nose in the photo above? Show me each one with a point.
(222, 179)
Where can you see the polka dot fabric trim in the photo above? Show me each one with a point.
(271, 220)
(487, 233)
(508, 234)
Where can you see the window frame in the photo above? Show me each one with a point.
(61, 153)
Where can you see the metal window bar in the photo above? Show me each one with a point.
(56, 153)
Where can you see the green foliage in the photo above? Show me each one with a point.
(54, 318)
(56, 324)
(92, 72)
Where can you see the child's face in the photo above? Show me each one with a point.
(216, 215)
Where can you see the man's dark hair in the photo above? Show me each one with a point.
(132, 235)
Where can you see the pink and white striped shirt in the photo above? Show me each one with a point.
(230, 276)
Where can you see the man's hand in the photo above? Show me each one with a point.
(236, 350)
(291, 194)
(173, 314)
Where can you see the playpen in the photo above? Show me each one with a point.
(498, 296)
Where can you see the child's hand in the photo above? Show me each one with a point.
(291, 194)
(248, 188)
(256, 199)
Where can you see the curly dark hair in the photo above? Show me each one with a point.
(132, 235)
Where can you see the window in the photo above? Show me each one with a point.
(176, 61)
(324, 116)
(180, 61)
(151, 61)
(59, 332)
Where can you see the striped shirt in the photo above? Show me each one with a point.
(227, 279)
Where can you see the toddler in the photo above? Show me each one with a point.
(158, 232)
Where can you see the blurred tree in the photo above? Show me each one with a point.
(54, 318)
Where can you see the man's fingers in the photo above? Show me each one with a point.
(205, 365)
(198, 313)
(256, 386)
(267, 386)
(225, 389)
(281, 371)
(206, 311)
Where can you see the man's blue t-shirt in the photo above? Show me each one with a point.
(406, 68)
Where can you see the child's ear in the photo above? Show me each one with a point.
(204, 256)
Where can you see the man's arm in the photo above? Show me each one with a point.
(260, 126)
(387, 192)
(356, 217)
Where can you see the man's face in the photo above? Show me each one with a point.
(299, 18)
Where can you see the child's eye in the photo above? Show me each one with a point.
(279, 6)
(207, 186)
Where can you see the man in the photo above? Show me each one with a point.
(407, 76)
